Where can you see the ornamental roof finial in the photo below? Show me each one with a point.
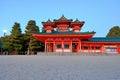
(76, 20)
(63, 17)
(49, 21)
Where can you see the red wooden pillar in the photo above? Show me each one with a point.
(118, 49)
(90, 48)
(103, 49)
(71, 45)
(45, 45)
(79, 46)
(62, 46)
(100, 49)
(54, 46)
(94, 49)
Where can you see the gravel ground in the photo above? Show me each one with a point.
(60, 67)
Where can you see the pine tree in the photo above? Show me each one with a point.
(114, 32)
(16, 37)
(1, 40)
(7, 45)
(32, 44)
(43, 30)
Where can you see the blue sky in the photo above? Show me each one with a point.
(99, 15)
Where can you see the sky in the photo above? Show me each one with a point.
(99, 15)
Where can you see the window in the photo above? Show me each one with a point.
(66, 46)
(59, 46)
(110, 49)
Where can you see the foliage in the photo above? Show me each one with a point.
(43, 30)
(16, 38)
(6, 43)
(1, 40)
(18, 42)
(31, 43)
(114, 32)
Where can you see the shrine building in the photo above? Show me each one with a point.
(64, 35)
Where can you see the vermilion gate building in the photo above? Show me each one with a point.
(64, 35)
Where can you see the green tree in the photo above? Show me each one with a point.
(43, 30)
(31, 43)
(114, 32)
(7, 44)
(1, 45)
(16, 39)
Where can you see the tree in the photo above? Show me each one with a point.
(7, 43)
(114, 32)
(0, 40)
(32, 44)
(16, 39)
(43, 30)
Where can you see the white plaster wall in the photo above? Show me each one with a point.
(85, 50)
(66, 50)
(58, 50)
(97, 50)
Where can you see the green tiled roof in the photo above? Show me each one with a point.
(104, 39)
(1, 45)
(70, 32)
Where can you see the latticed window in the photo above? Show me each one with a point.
(59, 46)
(66, 46)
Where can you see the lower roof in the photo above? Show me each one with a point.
(69, 32)
(104, 39)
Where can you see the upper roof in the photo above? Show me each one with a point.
(104, 39)
(63, 18)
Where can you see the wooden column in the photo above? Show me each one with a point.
(101, 49)
(54, 46)
(90, 48)
(71, 45)
(94, 49)
(79, 46)
(45, 46)
(62, 46)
